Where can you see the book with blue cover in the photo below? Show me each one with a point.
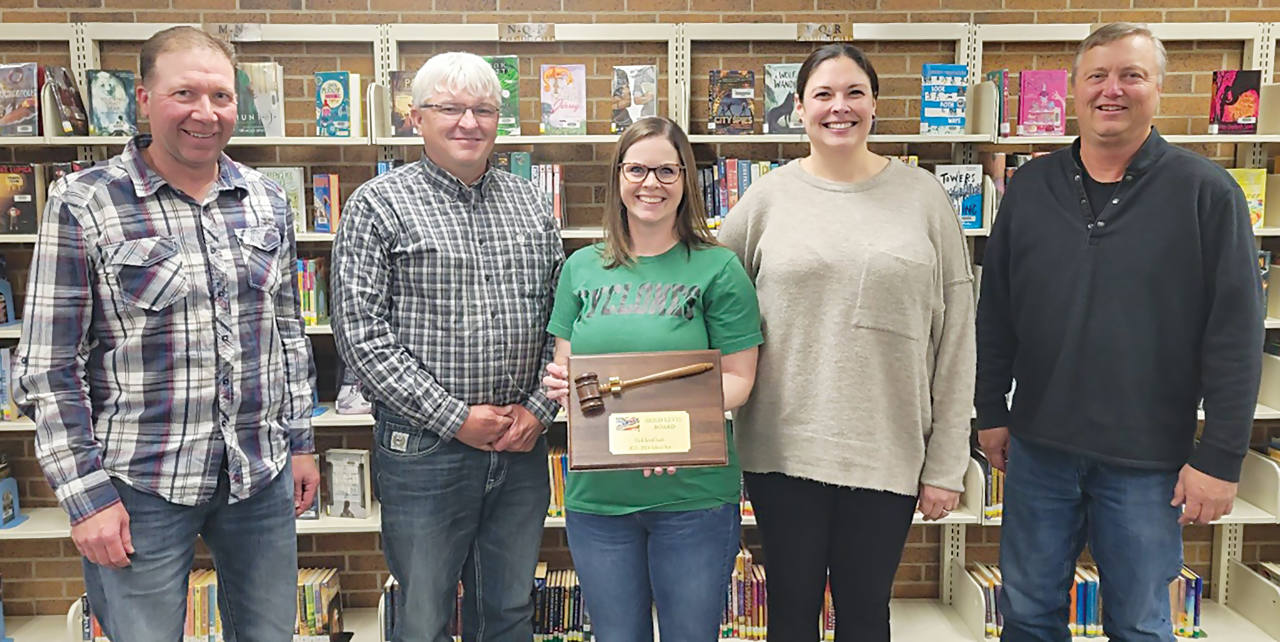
(943, 98)
(337, 103)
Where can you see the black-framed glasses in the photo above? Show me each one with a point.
(666, 173)
(450, 110)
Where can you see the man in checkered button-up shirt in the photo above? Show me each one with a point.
(164, 362)
(443, 275)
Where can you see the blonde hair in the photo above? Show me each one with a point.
(456, 72)
(1109, 33)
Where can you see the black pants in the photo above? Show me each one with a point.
(810, 529)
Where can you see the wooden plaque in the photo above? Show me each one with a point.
(700, 397)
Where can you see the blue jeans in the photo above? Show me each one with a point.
(255, 551)
(450, 511)
(680, 560)
(1054, 502)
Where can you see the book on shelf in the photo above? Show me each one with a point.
(326, 202)
(338, 104)
(347, 475)
(402, 104)
(563, 98)
(995, 164)
(731, 98)
(382, 167)
(22, 194)
(55, 171)
(1264, 269)
(943, 97)
(260, 99)
(508, 70)
(992, 487)
(19, 99)
(963, 184)
(724, 182)
(1233, 108)
(780, 115)
(8, 407)
(557, 471)
(1042, 102)
(547, 178)
(1000, 78)
(293, 181)
(1270, 571)
(910, 160)
(113, 107)
(633, 95)
(2, 629)
(313, 290)
(10, 504)
(319, 612)
(72, 117)
(1253, 181)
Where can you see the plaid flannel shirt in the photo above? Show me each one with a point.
(162, 337)
(442, 292)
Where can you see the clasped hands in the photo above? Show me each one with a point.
(510, 428)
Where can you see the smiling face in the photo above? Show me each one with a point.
(837, 105)
(190, 99)
(650, 202)
(1117, 91)
(458, 144)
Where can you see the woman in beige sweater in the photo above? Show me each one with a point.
(865, 381)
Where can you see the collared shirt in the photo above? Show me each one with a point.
(1116, 323)
(441, 292)
(162, 336)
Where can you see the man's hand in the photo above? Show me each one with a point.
(995, 445)
(306, 483)
(484, 426)
(524, 432)
(936, 503)
(557, 383)
(1203, 497)
(104, 537)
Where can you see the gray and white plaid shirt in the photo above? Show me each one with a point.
(442, 292)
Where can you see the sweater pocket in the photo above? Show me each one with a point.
(895, 292)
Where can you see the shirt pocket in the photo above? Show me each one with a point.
(529, 259)
(895, 292)
(260, 247)
(149, 272)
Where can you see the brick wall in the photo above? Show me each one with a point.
(43, 576)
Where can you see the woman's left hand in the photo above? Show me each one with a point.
(669, 470)
(556, 383)
(936, 503)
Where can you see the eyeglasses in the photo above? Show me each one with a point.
(448, 110)
(666, 174)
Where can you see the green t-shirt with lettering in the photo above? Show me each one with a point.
(683, 299)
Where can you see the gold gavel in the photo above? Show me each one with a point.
(591, 391)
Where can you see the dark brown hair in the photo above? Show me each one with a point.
(177, 38)
(836, 50)
(691, 220)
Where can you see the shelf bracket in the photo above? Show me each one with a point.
(952, 550)
(1228, 540)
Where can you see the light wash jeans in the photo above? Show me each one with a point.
(254, 545)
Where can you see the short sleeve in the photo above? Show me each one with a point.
(568, 305)
(731, 309)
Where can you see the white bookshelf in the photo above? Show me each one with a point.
(364, 623)
(1220, 622)
(51, 522)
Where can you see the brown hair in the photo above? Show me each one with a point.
(176, 38)
(829, 52)
(691, 219)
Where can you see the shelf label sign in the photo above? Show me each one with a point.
(234, 32)
(527, 32)
(824, 31)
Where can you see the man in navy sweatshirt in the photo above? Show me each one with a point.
(1120, 287)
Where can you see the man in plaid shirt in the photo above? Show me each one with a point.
(443, 276)
(164, 363)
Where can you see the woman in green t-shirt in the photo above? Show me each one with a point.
(659, 281)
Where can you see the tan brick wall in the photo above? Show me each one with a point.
(43, 576)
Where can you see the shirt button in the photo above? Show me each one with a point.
(1084, 202)
(1102, 223)
(1090, 226)
(1077, 177)
(1128, 177)
(1114, 201)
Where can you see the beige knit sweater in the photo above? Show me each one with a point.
(865, 377)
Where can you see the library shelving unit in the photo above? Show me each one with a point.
(1244, 605)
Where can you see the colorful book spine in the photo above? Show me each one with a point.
(943, 98)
